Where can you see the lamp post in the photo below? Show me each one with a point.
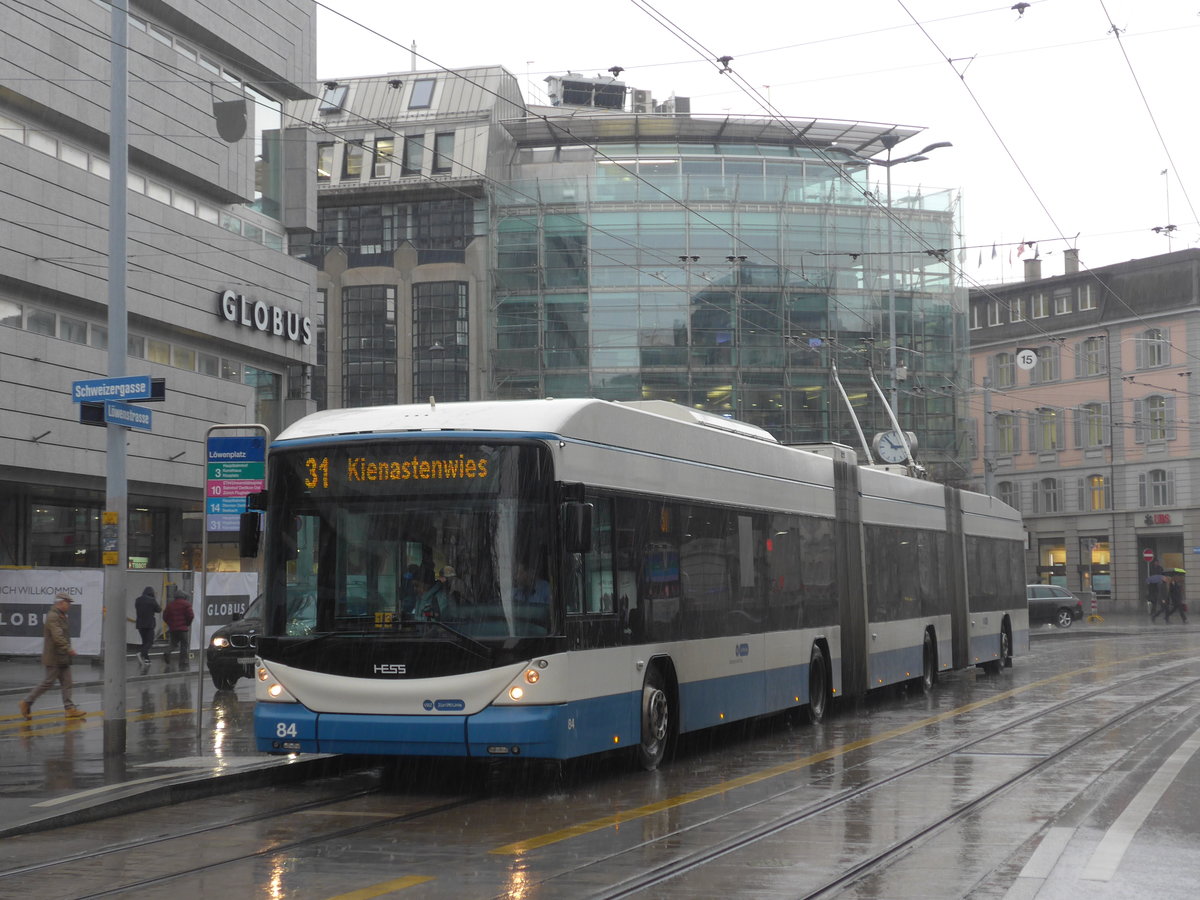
(889, 141)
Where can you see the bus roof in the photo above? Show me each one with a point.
(568, 417)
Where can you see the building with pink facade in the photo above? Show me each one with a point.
(1084, 400)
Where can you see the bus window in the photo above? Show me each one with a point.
(598, 564)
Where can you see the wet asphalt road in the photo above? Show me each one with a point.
(1073, 773)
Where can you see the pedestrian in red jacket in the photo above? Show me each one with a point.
(178, 618)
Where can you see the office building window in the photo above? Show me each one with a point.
(1009, 492)
(1047, 369)
(1090, 357)
(324, 162)
(385, 149)
(1156, 488)
(443, 152)
(1092, 425)
(1154, 419)
(369, 345)
(1153, 348)
(1039, 308)
(422, 93)
(441, 341)
(352, 160)
(333, 99)
(1008, 436)
(1047, 430)
(1093, 493)
(1004, 370)
(1047, 497)
(414, 150)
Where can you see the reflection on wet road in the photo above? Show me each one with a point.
(1075, 771)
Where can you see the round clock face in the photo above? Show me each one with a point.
(890, 448)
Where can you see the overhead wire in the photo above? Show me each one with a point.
(1024, 177)
(774, 113)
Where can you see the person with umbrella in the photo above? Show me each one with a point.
(1175, 601)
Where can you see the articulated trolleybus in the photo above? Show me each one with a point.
(557, 578)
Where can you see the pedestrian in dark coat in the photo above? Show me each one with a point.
(145, 609)
(178, 618)
(56, 657)
(1175, 602)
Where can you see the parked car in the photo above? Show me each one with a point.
(232, 648)
(1049, 603)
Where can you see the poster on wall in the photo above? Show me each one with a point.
(26, 596)
(229, 593)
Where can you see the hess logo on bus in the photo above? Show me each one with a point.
(390, 669)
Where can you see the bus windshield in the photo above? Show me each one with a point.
(374, 536)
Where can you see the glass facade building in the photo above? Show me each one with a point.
(730, 264)
(727, 265)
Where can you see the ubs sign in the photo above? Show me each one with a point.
(261, 317)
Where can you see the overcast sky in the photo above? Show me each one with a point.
(1062, 127)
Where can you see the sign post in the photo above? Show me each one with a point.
(235, 465)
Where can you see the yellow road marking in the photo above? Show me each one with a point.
(650, 809)
(60, 724)
(384, 887)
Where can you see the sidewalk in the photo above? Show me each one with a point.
(54, 772)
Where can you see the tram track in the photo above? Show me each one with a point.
(611, 867)
(99, 853)
(657, 877)
(160, 845)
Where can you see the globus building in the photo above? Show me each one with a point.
(217, 308)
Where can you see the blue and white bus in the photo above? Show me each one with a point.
(557, 578)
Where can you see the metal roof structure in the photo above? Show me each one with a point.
(585, 126)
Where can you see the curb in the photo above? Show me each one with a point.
(141, 798)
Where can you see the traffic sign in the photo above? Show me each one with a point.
(131, 387)
(118, 413)
(234, 468)
(1147, 554)
(1026, 358)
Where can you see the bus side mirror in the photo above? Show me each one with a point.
(577, 526)
(248, 534)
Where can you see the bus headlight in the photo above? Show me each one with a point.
(516, 692)
(275, 690)
(532, 676)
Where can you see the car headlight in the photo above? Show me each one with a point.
(219, 642)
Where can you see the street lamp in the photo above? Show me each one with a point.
(889, 141)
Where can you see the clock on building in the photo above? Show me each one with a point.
(889, 447)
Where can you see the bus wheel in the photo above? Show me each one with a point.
(818, 686)
(656, 720)
(928, 664)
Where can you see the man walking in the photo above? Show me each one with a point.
(178, 618)
(56, 657)
(145, 608)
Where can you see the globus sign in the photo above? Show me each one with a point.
(272, 319)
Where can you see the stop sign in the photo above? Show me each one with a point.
(1147, 555)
